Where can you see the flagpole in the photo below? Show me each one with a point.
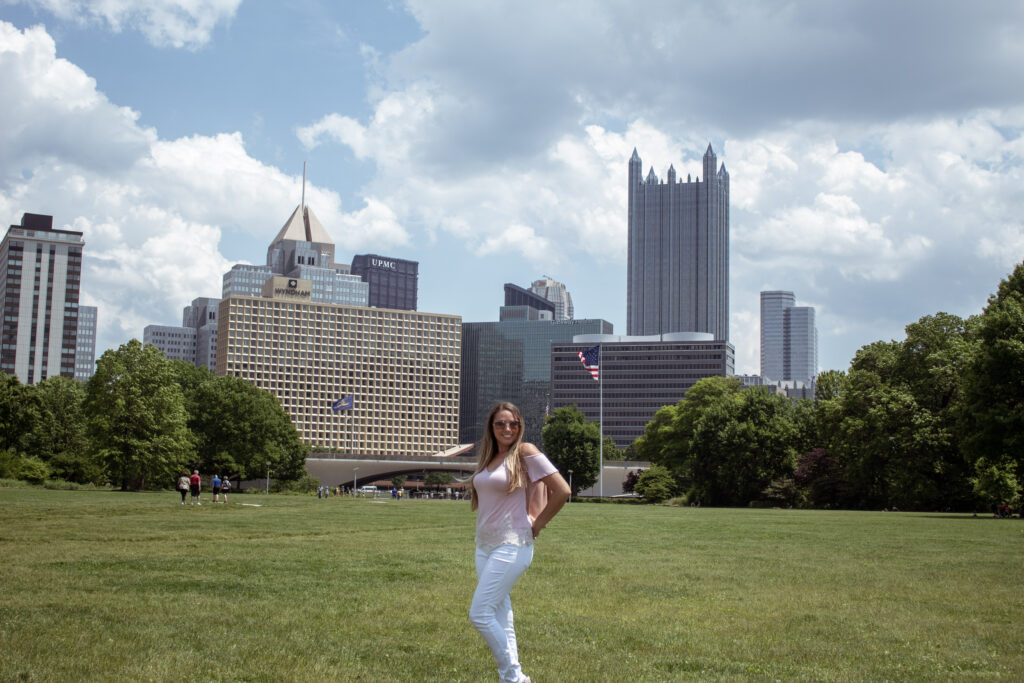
(600, 446)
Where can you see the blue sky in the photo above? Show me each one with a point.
(874, 149)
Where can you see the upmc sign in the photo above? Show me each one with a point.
(382, 263)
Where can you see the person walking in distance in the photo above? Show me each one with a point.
(515, 491)
(193, 486)
(215, 484)
(183, 484)
(225, 487)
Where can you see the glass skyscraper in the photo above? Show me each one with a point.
(510, 360)
(557, 294)
(789, 340)
(678, 257)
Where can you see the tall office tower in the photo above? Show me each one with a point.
(773, 330)
(40, 277)
(789, 340)
(678, 256)
(801, 344)
(556, 293)
(393, 281)
(85, 344)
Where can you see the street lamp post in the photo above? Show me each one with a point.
(354, 480)
(570, 484)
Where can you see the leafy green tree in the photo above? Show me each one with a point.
(438, 478)
(58, 431)
(656, 484)
(992, 420)
(136, 417)
(239, 428)
(893, 425)
(14, 420)
(398, 481)
(742, 444)
(725, 443)
(572, 443)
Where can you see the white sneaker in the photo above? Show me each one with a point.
(198, 503)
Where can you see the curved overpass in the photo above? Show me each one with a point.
(341, 470)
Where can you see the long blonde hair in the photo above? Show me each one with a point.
(489, 446)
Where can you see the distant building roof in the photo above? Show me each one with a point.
(303, 226)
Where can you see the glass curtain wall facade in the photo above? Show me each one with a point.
(773, 332)
(801, 363)
(510, 360)
(678, 253)
(85, 344)
(789, 339)
(557, 294)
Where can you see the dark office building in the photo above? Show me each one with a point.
(639, 376)
(510, 360)
(678, 261)
(393, 282)
(516, 296)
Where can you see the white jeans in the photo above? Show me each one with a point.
(491, 610)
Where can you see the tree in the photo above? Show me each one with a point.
(723, 442)
(398, 481)
(892, 426)
(438, 478)
(13, 420)
(656, 484)
(992, 420)
(239, 428)
(136, 417)
(572, 443)
(57, 434)
(629, 483)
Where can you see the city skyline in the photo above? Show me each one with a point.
(875, 153)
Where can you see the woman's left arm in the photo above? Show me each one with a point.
(558, 493)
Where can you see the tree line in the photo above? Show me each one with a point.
(932, 422)
(140, 422)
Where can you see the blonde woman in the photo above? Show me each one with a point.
(515, 491)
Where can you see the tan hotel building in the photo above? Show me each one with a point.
(401, 366)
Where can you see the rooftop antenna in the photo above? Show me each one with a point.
(303, 204)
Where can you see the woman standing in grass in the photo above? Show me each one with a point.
(515, 491)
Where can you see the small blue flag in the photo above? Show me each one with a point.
(344, 403)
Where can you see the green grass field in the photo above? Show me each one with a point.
(120, 586)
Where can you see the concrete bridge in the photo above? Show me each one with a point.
(344, 470)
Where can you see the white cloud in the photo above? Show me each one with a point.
(516, 238)
(164, 23)
(153, 220)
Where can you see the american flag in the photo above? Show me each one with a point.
(590, 358)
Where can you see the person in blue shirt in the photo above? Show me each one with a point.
(216, 488)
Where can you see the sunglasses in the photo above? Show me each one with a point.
(501, 424)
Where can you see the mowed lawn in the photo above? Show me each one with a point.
(123, 586)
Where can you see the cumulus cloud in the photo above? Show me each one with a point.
(844, 192)
(153, 211)
(164, 23)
